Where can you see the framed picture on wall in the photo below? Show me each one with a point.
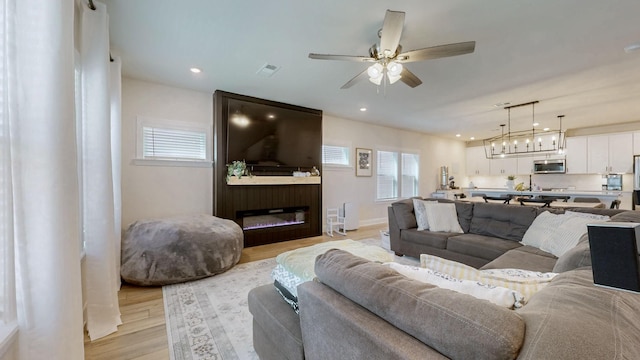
(364, 160)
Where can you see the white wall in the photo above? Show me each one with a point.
(341, 185)
(160, 191)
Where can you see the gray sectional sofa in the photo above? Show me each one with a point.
(357, 309)
(491, 239)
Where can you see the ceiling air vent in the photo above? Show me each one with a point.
(267, 70)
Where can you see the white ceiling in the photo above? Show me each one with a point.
(567, 54)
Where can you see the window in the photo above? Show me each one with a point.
(333, 155)
(165, 142)
(397, 173)
(410, 167)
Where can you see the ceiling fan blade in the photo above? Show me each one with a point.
(363, 75)
(409, 78)
(391, 32)
(341, 57)
(436, 52)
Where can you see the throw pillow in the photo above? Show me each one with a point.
(421, 213)
(541, 229)
(587, 215)
(558, 233)
(443, 217)
(524, 282)
(567, 235)
(496, 294)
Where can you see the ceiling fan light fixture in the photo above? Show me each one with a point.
(393, 78)
(394, 68)
(375, 71)
(376, 80)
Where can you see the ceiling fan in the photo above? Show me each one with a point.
(387, 57)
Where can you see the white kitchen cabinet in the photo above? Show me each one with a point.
(477, 162)
(610, 153)
(504, 167)
(525, 165)
(576, 155)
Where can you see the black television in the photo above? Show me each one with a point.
(273, 138)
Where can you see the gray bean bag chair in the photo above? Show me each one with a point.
(179, 249)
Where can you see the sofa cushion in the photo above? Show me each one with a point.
(498, 220)
(437, 317)
(465, 213)
(485, 247)
(579, 256)
(573, 319)
(524, 257)
(405, 217)
(430, 238)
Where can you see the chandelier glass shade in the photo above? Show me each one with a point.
(378, 71)
(529, 142)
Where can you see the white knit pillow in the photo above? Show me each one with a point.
(558, 234)
(443, 217)
(421, 213)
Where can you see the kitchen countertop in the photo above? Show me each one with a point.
(605, 195)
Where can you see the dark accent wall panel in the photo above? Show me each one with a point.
(229, 199)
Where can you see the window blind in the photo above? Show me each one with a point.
(335, 155)
(387, 175)
(173, 144)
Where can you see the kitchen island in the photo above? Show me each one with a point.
(605, 197)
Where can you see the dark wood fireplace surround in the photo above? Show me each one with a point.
(235, 202)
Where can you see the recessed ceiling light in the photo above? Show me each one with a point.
(472, 138)
(536, 124)
(457, 135)
(545, 129)
(271, 116)
(195, 70)
(363, 109)
(631, 48)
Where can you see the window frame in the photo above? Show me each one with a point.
(399, 153)
(349, 155)
(144, 121)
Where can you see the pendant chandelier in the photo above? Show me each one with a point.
(522, 143)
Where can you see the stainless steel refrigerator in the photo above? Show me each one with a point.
(636, 181)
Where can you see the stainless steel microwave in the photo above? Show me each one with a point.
(549, 166)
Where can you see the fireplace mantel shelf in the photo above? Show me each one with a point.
(274, 180)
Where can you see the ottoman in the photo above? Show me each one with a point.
(178, 249)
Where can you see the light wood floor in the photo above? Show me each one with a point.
(143, 335)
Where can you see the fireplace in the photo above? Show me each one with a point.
(273, 218)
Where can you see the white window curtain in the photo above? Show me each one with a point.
(38, 105)
(100, 173)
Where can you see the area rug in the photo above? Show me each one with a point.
(210, 319)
